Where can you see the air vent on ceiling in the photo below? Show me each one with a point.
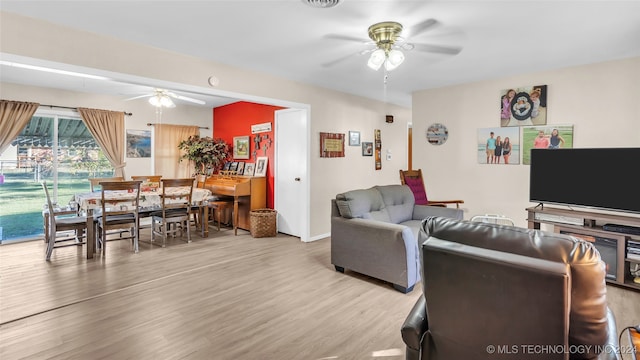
(321, 3)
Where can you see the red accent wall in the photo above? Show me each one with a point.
(236, 120)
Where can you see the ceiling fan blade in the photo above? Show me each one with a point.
(422, 27)
(139, 97)
(185, 98)
(338, 60)
(347, 38)
(440, 49)
(341, 59)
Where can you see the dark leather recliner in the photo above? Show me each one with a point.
(501, 292)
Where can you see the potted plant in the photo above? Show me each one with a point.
(207, 154)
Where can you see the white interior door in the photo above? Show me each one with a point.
(291, 198)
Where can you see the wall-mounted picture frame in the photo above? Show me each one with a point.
(241, 148)
(523, 106)
(437, 134)
(498, 146)
(354, 138)
(367, 148)
(249, 169)
(545, 137)
(138, 143)
(377, 145)
(331, 145)
(261, 166)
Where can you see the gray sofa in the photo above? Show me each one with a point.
(374, 232)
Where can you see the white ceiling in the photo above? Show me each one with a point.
(289, 39)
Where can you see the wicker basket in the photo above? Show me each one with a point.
(263, 223)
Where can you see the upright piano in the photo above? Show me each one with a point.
(249, 193)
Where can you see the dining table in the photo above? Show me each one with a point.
(90, 204)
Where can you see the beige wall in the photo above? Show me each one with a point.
(142, 113)
(599, 100)
(330, 111)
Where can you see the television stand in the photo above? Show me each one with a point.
(597, 228)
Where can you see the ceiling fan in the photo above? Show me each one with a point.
(389, 44)
(163, 98)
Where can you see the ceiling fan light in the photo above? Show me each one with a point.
(155, 101)
(376, 59)
(166, 102)
(395, 58)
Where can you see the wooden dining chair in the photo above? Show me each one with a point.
(196, 209)
(58, 228)
(151, 178)
(120, 202)
(413, 179)
(95, 182)
(174, 217)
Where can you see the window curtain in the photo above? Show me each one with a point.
(166, 153)
(107, 127)
(14, 116)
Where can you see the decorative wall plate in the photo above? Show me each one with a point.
(437, 134)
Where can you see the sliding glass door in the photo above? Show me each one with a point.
(55, 147)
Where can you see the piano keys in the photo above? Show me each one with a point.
(249, 193)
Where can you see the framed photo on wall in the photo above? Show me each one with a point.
(367, 148)
(138, 144)
(261, 166)
(354, 138)
(546, 137)
(498, 146)
(523, 106)
(241, 147)
(331, 145)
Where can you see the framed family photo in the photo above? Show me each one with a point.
(545, 137)
(249, 169)
(240, 170)
(523, 106)
(498, 146)
(261, 166)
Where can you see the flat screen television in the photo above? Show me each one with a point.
(600, 178)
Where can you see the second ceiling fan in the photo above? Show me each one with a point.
(163, 98)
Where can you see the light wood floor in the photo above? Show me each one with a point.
(225, 297)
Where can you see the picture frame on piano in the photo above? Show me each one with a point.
(261, 166)
(240, 170)
(234, 166)
(227, 165)
(249, 169)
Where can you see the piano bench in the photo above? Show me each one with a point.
(219, 206)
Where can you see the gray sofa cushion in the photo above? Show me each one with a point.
(399, 202)
(362, 203)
